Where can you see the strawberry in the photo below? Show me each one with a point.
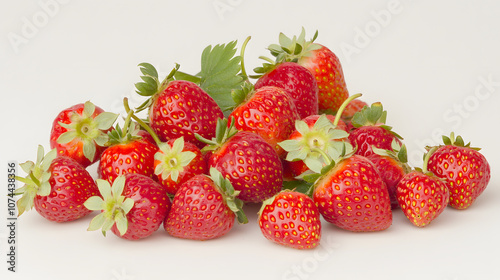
(321, 62)
(465, 170)
(268, 111)
(80, 131)
(57, 186)
(133, 208)
(177, 161)
(204, 208)
(296, 80)
(291, 219)
(370, 130)
(352, 195)
(177, 107)
(244, 158)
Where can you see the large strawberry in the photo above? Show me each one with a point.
(268, 111)
(321, 62)
(177, 107)
(296, 80)
(465, 170)
(370, 130)
(352, 195)
(250, 163)
(291, 219)
(133, 208)
(57, 186)
(204, 208)
(80, 131)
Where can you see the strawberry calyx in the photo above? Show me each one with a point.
(457, 141)
(113, 205)
(295, 48)
(172, 159)
(37, 180)
(229, 194)
(87, 129)
(397, 152)
(223, 132)
(151, 85)
(375, 115)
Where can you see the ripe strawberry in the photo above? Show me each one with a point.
(79, 132)
(291, 219)
(371, 130)
(321, 62)
(268, 111)
(353, 196)
(296, 80)
(133, 208)
(176, 162)
(204, 208)
(57, 186)
(244, 158)
(465, 170)
(177, 108)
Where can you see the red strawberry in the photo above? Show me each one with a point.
(177, 108)
(133, 208)
(80, 131)
(465, 170)
(297, 81)
(250, 163)
(204, 208)
(57, 186)
(291, 219)
(176, 162)
(353, 196)
(321, 62)
(370, 130)
(268, 111)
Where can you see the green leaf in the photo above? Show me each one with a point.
(148, 69)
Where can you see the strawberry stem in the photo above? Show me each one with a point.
(343, 106)
(141, 122)
(242, 53)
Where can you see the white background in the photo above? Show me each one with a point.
(433, 64)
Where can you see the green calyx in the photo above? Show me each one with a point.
(172, 160)
(229, 194)
(223, 132)
(457, 141)
(239, 95)
(113, 205)
(397, 152)
(292, 49)
(375, 115)
(151, 85)
(87, 129)
(37, 180)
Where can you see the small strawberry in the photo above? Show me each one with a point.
(244, 158)
(422, 196)
(133, 208)
(80, 131)
(465, 170)
(204, 208)
(268, 111)
(57, 186)
(176, 107)
(296, 80)
(370, 130)
(291, 219)
(321, 62)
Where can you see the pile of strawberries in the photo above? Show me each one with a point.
(294, 141)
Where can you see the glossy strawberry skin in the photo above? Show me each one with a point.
(136, 156)
(353, 196)
(327, 70)
(183, 109)
(298, 82)
(251, 165)
(199, 211)
(365, 137)
(73, 149)
(391, 171)
(71, 185)
(151, 206)
(465, 170)
(198, 165)
(269, 112)
(292, 220)
(422, 197)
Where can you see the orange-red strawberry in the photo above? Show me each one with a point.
(133, 207)
(465, 170)
(79, 132)
(57, 186)
(204, 208)
(291, 219)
